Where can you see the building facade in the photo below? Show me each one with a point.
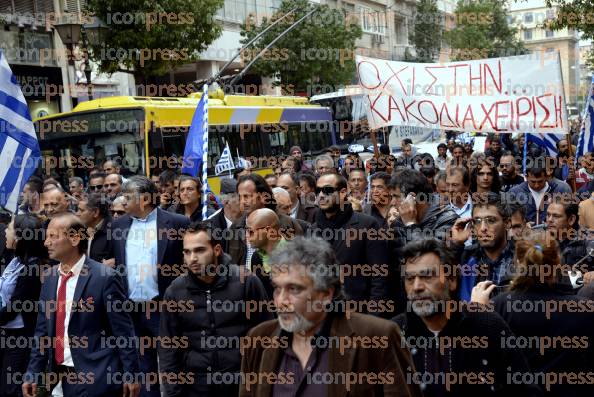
(40, 61)
(530, 17)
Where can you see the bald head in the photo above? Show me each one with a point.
(262, 228)
(54, 202)
(263, 217)
(66, 238)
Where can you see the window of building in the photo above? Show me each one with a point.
(528, 17)
(528, 34)
(550, 13)
(549, 33)
(373, 21)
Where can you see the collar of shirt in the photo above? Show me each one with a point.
(150, 217)
(464, 208)
(294, 210)
(229, 221)
(265, 259)
(543, 191)
(76, 269)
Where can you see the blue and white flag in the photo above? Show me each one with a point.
(548, 142)
(196, 150)
(225, 163)
(19, 148)
(243, 163)
(586, 140)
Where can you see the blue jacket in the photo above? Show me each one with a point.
(520, 194)
(93, 323)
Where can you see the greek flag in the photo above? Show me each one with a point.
(548, 142)
(19, 149)
(586, 140)
(196, 150)
(225, 163)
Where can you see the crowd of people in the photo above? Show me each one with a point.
(466, 274)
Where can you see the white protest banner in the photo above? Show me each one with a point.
(512, 94)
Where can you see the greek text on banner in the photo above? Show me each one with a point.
(511, 94)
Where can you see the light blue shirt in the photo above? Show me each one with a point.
(141, 258)
(464, 212)
(8, 282)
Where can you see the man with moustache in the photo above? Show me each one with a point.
(434, 321)
(306, 359)
(211, 334)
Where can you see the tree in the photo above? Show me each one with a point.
(482, 31)
(319, 51)
(574, 14)
(149, 37)
(427, 32)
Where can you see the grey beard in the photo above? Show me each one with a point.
(437, 304)
(299, 324)
(427, 309)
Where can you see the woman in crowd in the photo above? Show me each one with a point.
(20, 285)
(484, 177)
(538, 313)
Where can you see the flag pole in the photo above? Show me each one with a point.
(567, 133)
(205, 155)
(230, 173)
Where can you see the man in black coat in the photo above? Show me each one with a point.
(361, 248)
(148, 253)
(456, 349)
(223, 305)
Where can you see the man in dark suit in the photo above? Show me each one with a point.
(290, 183)
(149, 253)
(94, 212)
(77, 321)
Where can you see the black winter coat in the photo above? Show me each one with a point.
(475, 360)
(568, 332)
(361, 248)
(205, 338)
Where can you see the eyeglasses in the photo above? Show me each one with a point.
(327, 190)
(95, 187)
(489, 221)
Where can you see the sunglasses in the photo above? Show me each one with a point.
(327, 190)
(118, 212)
(95, 187)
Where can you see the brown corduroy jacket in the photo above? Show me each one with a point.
(378, 357)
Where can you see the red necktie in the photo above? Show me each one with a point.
(60, 318)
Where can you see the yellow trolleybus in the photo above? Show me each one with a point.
(148, 134)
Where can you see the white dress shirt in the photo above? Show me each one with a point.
(70, 288)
